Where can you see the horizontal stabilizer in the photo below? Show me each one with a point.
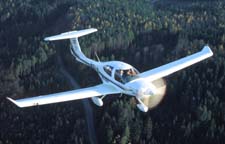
(71, 34)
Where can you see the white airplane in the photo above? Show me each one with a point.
(117, 77)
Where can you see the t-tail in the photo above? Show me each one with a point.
(75, 47)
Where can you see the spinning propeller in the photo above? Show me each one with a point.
(160, 92)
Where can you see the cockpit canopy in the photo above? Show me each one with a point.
(120, 71)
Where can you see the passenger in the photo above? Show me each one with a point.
(131, 72)
(125, 76)
(129, 75)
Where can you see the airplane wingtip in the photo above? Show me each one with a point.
(94, 29)
(207, 49)
(13, 101)
(46, 39)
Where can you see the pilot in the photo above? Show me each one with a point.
(132, 72)
(121, 73)
(129, 73)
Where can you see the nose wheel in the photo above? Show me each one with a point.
(141, 106)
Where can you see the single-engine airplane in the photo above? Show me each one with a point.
(117, 77)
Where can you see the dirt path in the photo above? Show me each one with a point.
(86, 103)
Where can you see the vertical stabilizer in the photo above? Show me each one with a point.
(75, 49)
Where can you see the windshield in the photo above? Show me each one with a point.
(125, 76)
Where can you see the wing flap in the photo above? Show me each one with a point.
(177, 65)
(102, 89)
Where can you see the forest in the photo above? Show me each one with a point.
(145, 34)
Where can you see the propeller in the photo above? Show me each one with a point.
(160, 92)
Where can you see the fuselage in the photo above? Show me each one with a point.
(118, 74)
(124, 77)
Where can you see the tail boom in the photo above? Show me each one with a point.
(75, 49)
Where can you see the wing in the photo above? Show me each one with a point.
(102, 89)
(172, 67)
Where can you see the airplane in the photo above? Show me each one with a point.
(117, 77)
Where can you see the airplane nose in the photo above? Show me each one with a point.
(140, 92)
(148, 92)
(142, 88)
(144, 92)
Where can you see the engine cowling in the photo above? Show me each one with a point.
(142, 88)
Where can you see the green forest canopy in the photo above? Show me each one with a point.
(142, 33)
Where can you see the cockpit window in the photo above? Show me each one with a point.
(125, 76)
(108, 69)
(119, 76)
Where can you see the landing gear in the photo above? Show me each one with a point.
(98, 101)
(141, 106)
